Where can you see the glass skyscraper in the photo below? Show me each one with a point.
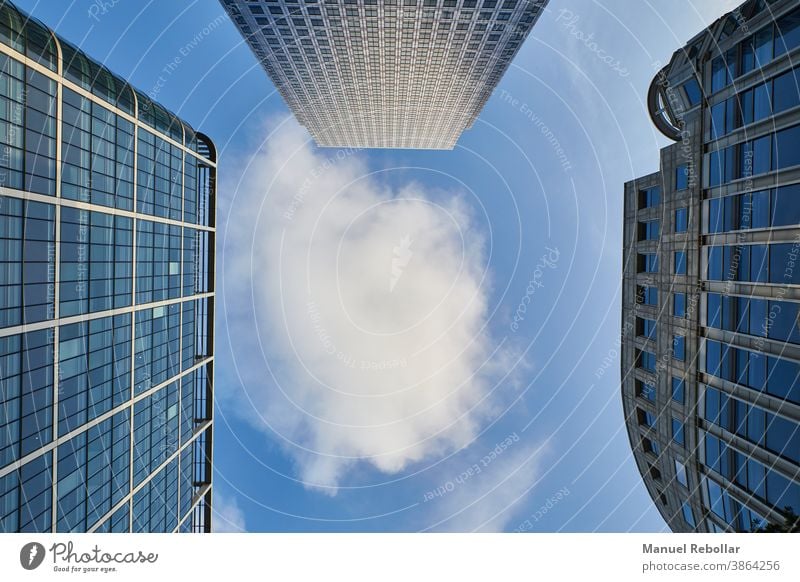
(385, 73)
(711, 289)
(106, 298)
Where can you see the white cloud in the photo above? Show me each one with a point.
(491, 500)
(371, 304)
(227, 515)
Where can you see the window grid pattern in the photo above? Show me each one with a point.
(160, 177)
(95, 363)
(749, 211)
(386, 74)
(155, 431)
(96, 262)
(776, 376)
(27, 128)
(94, 369)
(753, 477)
(26, 386)
(156, 356)
(93, 473)
(158, 261)
(155, 506)
(777, 320)
(26, 497)
(761, 427)
(27, 261)
(97, 153)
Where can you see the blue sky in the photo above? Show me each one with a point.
(416, 340)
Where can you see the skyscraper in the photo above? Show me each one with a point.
(106, 297)
(385, 73)
(711, 288)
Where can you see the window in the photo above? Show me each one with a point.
(719, 127)
(770, 152)
(784, 318)
(679, 347)
(94, 369)
(688, 515)
(788, 33)
(680, 262)
(649, 197)
(763, 45)
(680, 473)
(762, 158)
(27, 233)
(645, 418)
(762, 101)
(753, 263)
(777, 434)
(646, 295)
(775, 376)
(682, 177)
(766, 484)
(646, 390)
(740, 517)
(716, 167)
(647, 263)
(648, 230)
(678, 390)
(96, 266)
(97, 148)
(646, 360)
(26, 413)
(649, 446)
(679, 304)
(93, 472)
(692, 89)
(27, 102)
(785, 91)
(719, 74)
(646, 328)
(677, 432)
(787, 148)
(681, 220)
(782, 258)
(786, 205)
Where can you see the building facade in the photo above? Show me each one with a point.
(711, 280)
(385, 73)
(106, 298)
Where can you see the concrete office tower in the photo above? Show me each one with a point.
(106, 298)
(385, 73)
(710, 337)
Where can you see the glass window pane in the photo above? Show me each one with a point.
(681, 219)
(763, 46)
(787, 148)
(762, 148)
(677, 390)
(786, 205)
(788, 33)
(682, 177)
(679, 304)
(762, 105)
(786, 92)
(680, 263)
